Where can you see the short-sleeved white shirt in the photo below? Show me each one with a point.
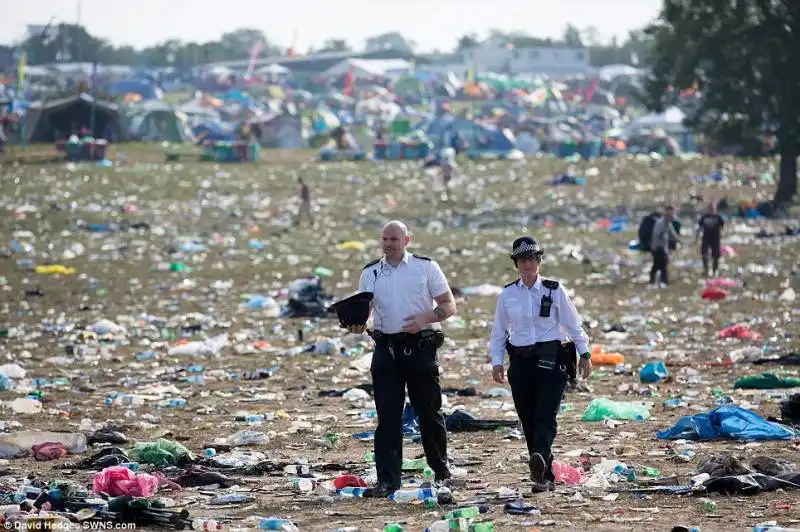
(402, 291)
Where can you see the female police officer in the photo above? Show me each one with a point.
(537, 313)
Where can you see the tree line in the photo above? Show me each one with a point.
(73, 43)
(743, 59)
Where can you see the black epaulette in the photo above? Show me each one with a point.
(420, 257)
(371, 263)
(550, 284)
(512, 282)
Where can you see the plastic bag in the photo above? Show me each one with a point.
(714, 293)
(160, 453)
(567, 474)
(766, 381)
(653, 372)
(119, 480)
(604, 408)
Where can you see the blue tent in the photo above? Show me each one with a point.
(479, 137)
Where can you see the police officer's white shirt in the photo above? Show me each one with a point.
(518, 310)
(402, 291)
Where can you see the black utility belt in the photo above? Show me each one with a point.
(402, 339)
(538, 350)
(548, 355)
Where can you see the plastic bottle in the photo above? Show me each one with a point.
(766, 527)
(210, 452)
(251, 418)
(393, 527)
(296, 469)
(303, 485)
(350, 491)
(488, 526)
(442, 525)
(415, 465)
(686, 456)
(247, 437)
(404, 496)
(427, 474)
(470, 512)
(276, 523)
(128, 399)
(205, 524)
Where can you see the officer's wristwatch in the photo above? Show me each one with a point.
(587, 355)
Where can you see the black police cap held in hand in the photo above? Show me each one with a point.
(525, 246)
(353, 310)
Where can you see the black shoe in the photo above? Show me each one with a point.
(450, 482)
(538, 467)
(381, 490)
(541, 487)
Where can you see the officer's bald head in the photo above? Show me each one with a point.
(395, 238)
(396, 225)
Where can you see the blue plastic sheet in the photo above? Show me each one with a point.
(726, 422)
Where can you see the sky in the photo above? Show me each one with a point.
(432, 24)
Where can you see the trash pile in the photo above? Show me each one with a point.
(169, 360)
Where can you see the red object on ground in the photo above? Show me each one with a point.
(349, 481)
(49, 451)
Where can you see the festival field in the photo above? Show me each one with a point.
(177, 252)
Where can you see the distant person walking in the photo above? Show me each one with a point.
(305, 203)
(663, 234)
(448, 164)
(709, 227)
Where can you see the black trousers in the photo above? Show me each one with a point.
(395, 366)
(660, 264)
(537, 394)
(713, 247)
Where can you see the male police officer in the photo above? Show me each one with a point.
(407, 335)
(538, 312)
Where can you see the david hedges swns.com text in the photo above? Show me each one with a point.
(86, 525)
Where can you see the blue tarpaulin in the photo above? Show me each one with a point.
(726, 422)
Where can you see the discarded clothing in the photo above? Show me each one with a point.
(463, 421)
(792, 359)
(751, 484)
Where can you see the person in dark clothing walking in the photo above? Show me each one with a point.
(532, 316)
(407, 336)
(663, 237)
(305, 203)
(709, 227)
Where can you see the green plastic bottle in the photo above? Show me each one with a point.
(393, 527)
(488, 526)
(469, 512)
(415, 465)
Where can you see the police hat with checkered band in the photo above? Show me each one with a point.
(524, 247)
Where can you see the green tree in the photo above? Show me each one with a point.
(465, 42)
(572, 36)
(335, 45)
(744, 57)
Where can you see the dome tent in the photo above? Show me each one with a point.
(51, 121)
(156, 121)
